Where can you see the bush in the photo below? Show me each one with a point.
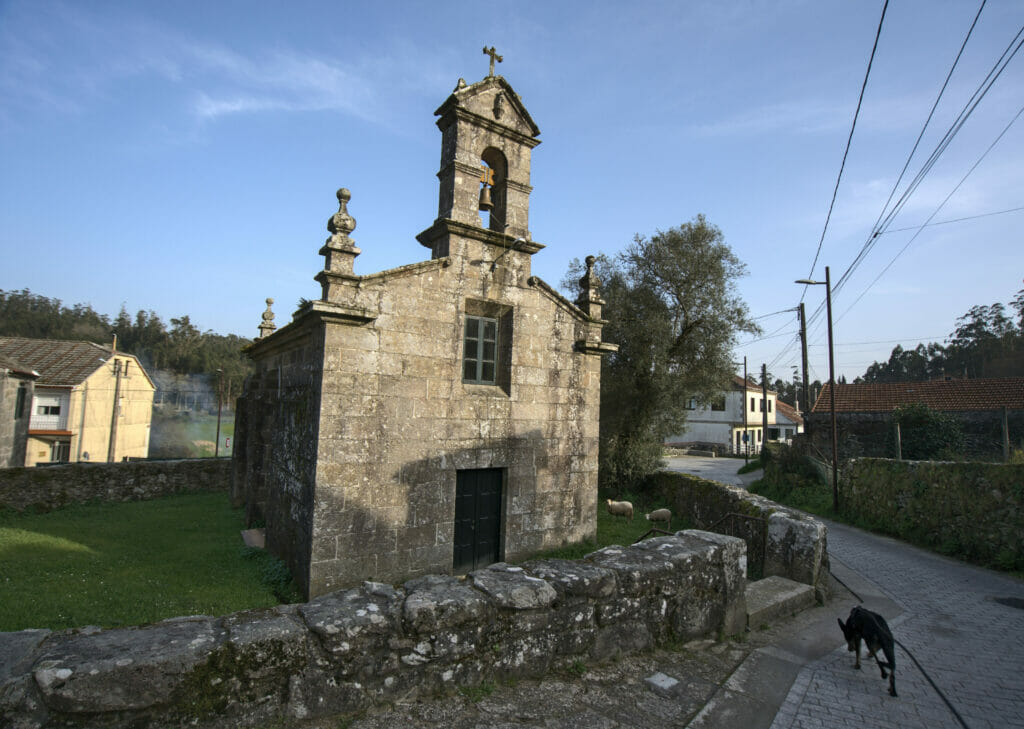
(928, 435)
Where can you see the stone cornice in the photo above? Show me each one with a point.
(459, 113)
(303, 323)
(446, 226)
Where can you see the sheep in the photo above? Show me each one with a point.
(620, 508)
(661, 515)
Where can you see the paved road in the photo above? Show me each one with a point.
(946, 614)
(713, 469)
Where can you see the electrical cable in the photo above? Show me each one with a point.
(951, 193)
(849, 139)
(917, 142)
(954, 220)
(972, 103)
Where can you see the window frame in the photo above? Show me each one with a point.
(478, 359)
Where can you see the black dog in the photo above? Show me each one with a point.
(871, 627)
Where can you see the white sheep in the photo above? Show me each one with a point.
(620, 508)
(660, 515)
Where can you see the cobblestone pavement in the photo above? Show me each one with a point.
(946, 614)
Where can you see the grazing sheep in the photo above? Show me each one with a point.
(620, 508)
(661, 515)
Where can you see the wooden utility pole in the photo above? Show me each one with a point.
(803, 346)
(112, 445)
(743, 404)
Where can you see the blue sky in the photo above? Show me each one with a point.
(183, 157)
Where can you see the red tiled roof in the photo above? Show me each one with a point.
(789, 411)
(738, 383)
(946, 395)
(59, 363)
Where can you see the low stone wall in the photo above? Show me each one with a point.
(347, 650)
(973, 510)
(52, 487)
(793, 544)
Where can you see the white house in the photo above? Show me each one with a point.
(740, 411)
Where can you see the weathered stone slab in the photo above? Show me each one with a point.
(349, 622)
(512, 588)
(436, 602)
(124, 669)
(574, 578)
(638, 571)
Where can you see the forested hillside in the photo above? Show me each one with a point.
(180, 349)
(987, 342)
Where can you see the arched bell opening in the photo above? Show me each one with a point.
(494, 188)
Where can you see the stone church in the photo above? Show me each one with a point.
(440, 416)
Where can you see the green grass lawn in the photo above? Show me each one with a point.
(616, 530)
(129, 563)
(114, 564)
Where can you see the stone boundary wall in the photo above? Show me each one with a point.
(975, 510)
(52, 487)
(347, 650)
(795, 545)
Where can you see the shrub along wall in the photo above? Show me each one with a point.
(974, 510)
(347, 650)
(52, 487)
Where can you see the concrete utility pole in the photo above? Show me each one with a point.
(112, 445)
(764, 404)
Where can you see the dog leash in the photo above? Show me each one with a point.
(916, 663)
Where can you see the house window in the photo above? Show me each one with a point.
(691, 404)
(48, 407)
(60, 451)
(19, 403)
(753, 406)
(769, 406)
(480, 350)
(762, 404)
(719, 404)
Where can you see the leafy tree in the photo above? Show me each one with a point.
(673, 309)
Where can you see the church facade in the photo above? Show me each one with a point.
(436, 417)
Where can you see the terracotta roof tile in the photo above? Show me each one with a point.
(946, 395)
(789, 411)
(59, 363)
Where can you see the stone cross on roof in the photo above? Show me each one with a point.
(494, 57)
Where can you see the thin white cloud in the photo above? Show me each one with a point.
(66, 60)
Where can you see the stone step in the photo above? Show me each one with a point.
(775, 597)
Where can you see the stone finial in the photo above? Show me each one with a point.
(590, 296)
(341, 223)
(339, 251)
(267, 326)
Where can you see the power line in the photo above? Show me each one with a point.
(951, 193)
(931, 113)
(849, 139)
(954, 220)
(958, 124)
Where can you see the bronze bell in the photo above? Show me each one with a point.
(485, 198)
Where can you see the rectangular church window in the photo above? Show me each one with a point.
(480, 350)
